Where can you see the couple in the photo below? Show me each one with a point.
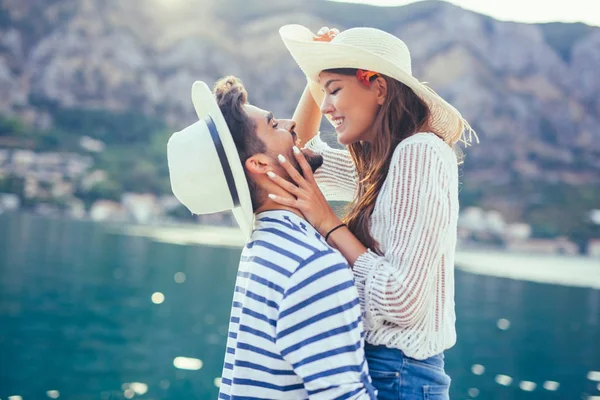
(326, 308)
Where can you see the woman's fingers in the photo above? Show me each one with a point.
(323, 30)
(285, 185)
(325, 34)
(283, 200)
(306, 169)
(292, 172)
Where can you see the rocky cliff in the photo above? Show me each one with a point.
(530, 91)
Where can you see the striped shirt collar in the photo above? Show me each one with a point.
(263, 218)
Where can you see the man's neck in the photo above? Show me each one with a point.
(270, 205)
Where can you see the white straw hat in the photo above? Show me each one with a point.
(373, 50)
(206, 173)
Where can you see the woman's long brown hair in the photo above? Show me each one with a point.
(401, 115)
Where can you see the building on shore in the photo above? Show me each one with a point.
(593, 248)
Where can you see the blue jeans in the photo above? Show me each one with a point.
(398, 377)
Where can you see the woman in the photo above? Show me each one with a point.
(400, 171)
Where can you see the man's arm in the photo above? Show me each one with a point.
(319, 329)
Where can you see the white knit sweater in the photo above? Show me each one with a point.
(407, 295)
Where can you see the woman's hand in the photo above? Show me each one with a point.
(325, 34)
(308, 198)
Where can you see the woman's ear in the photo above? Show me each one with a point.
(258, 164)
(380, 86)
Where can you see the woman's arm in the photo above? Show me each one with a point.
(308, 113)
(347, 244)
(307, 116)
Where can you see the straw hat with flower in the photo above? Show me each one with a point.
(372, 49)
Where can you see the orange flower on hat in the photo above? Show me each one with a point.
(365, 76)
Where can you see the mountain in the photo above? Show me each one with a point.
(120, 71)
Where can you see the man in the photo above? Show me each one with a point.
(295, 329)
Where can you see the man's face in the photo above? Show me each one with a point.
(279, 137)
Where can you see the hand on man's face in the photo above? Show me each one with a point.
(314, 160)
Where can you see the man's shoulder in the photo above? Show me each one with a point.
(292, 245)
(295, 235)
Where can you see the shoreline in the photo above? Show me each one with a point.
(577, 271)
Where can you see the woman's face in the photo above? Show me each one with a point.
(351, 104)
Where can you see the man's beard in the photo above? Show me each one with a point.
(314, 160)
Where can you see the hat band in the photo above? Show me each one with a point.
(223, 159)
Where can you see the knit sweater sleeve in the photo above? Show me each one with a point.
(397, 285)
(337, 177)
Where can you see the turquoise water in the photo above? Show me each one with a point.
(77, 321)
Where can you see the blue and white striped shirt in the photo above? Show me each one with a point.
(295, 330)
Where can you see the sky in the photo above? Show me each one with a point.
(587, 11)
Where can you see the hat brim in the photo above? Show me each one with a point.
(205, 104)
(313, 57)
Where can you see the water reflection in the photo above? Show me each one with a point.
(503, 380)
(179, 277)
(551, 385)
(79, 316)
(478, 369)
(527, 386)
(594, 376)
(503, 324)
(135, 387)
(158, 298)
(192, 364)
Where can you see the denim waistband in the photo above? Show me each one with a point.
(386, 353)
